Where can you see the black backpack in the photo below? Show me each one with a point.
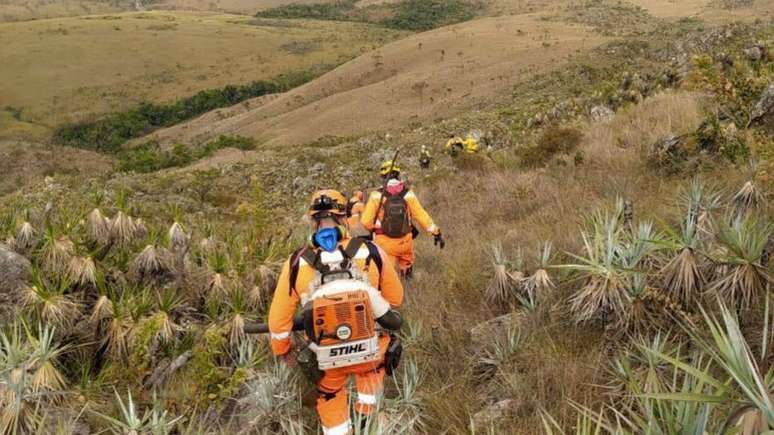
(396, 221)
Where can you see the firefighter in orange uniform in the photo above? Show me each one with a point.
(389, 213)
(303, 283)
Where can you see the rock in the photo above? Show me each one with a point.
(486, 333)
(754, 54)
(492, 413)
(317, 168)
(765, 105)
(14, 270)
(601, 113)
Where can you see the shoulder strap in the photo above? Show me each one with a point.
(295, 264)
(373, 254)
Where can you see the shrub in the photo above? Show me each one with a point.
(149, 157)
(109, 133)
(317, 11)
(554, 140)
(428, 14)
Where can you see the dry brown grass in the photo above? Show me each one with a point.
(521, 209)
(419, 78)
(126, 58)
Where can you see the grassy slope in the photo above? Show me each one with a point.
(417, 79)
(475, 204)
(67, 69)
(19, 10)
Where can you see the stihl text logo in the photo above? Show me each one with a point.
(346, 350)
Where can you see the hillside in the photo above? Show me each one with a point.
(432, 75)
(607, 266)
(124, 59)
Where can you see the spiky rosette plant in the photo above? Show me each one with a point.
(169, 305)
(237, 309)
(49, 303)
(749, 197)
(122, 229)
(701, 201)
(30, 379)
(152, 262)
(57, 251)
(25, 237)
(539, 284)
(604, 290)
(503, 285)
(140, 229)
(746, 278)
(83, 271)
(683, 276)
(217, 281)
(178, 238)
(118, 328)
(98, 227)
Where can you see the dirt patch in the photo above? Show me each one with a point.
(23, 163)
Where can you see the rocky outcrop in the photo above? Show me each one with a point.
(14, 270)
(764, 108)
(601, 114)
(489, 416)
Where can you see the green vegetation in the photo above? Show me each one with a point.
(335, 11)
(414, 15)
(150, 157)
(109, 134)
(553, 141)
(421, 15)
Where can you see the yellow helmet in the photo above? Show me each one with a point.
(329, 201)
(387, 167)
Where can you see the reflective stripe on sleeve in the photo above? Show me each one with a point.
(280, 335)
(366, 399)
(342, 429)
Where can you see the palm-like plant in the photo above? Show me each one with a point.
(98, 227)
(154, 421)
(683, 277)
(734, 378)
(539, 283)
(503, 284)
(604, 289)
(746, 277)
(83, 271)
(747, 198)
(30, 380)
(25, 237)
(57, 250)
(49, 302)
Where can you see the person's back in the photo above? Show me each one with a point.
(389, 213)
(360, 274)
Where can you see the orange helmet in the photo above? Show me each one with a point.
(328, 202)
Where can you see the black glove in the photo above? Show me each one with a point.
(439, 241)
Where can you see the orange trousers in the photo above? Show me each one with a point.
(333, 398)
(400, 250)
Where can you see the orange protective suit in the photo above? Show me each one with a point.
(356, 210)
(333, 400)
(400, 250)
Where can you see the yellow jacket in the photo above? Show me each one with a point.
(454, 141)
(471, 145)
(417, 213)
(286, 300)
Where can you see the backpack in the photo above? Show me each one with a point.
(341, 308)
(396, 221)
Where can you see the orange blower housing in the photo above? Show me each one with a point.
(342, 329)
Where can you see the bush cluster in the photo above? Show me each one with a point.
(150, 157)
(553, 141)
(415, 15)
(109, 133)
